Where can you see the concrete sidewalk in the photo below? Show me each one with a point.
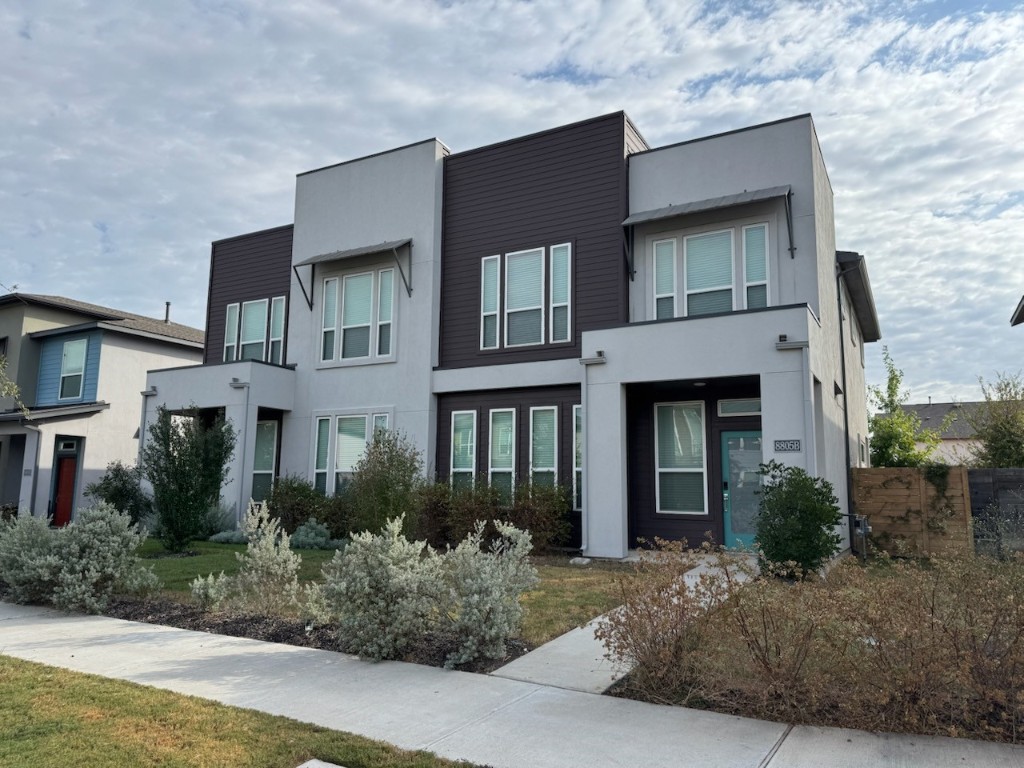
(479, 718)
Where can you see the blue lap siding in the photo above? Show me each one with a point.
(51, 355)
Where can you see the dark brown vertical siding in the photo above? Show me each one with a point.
(563, 185)
(246, 268)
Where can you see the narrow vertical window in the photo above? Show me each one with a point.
(561, 290)
(664, 279)
(380, 422)
(501, 470)
(385, 293)
(72, 369)
(463, 451)
(709, 273)
(755, 266)
(489, 292)
(356, 315)
(253, 336)
(679, 449)
(330, 319)
(543, 446)
(323, 439)
(524, 298)
(277, 330)
(264, 460)
(231, 334)
(351, 445)
(577, 458)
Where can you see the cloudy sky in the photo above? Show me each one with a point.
(134, 133)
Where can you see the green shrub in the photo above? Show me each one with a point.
(314, 535)
(542, 511)
(433, 514)
(121, 487)
(470, 505)
(797, 519)
(384, 482)
(294, 501)
(75, 568)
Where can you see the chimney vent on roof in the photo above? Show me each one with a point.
(167, 311)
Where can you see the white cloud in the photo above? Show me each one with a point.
(134, 134)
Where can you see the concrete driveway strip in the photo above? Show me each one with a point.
(455, 714)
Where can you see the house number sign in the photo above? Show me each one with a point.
(787, 446)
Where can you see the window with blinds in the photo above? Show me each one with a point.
(544, 446)
(501, 469)
(680, 458)
(254, 330)
(664, 279)
(755, 266)
(463, 449)
(560, 292)
(708, 277)
(358, 317)
(264, 460)
(253, 334)
(350, 445)
(524, 298)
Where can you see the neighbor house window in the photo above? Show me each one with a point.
(463, 450)
(276, 331)
(679, 458)
(577, 457)
(544, 446)
(358, 316)
(501, 470)
(72, 369)
(231, 334)
(755, 266)
(535, 298)
(264, 460)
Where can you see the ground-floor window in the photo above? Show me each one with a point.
(577, 457)
(501, 470)
(463, 452)
(544, 446)
(680, 458)
(340, 441)
(265, 460)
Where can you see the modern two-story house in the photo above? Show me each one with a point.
(80, 369)
(644, 326)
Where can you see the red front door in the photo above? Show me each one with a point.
(65, 495)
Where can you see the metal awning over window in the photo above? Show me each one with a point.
(391, 246)
(710, 204)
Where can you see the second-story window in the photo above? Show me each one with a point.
(72, 369)
(254, 330)
(358, 316)
(526, 297)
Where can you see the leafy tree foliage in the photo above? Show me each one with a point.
(121, 487)
(998, 423)
(896, 433)
(185, 459)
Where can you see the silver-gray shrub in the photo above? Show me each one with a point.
(384, 591)
(314, 535)
(484, 586)
(76, 568)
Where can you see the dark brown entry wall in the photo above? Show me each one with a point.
(564, 397)
(644, 521)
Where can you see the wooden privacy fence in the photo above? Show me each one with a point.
(916, 511)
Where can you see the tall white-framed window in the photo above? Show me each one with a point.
(264, 460)
(252, 337)
(755, 266)
(356, 315)
(664, 279)
(276, 351)
(321, 453)
(231, 333)
(708, 272)
(544, 446)
(463, 449)
(350, 445)
(380, 422)
(577, 457)
(680, 458)
(490, 287)
(524, 298)
(501, 467)
(72, 369)
(561, 293)
(385, 308)
(329, 327)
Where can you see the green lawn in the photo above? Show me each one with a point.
(52, 717)
(568, 596)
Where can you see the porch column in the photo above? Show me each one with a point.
(605, 470)
(29, 468)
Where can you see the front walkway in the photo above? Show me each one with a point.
(480, 718)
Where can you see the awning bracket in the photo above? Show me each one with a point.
(627, 252)
(398, 263)
(789, 223)
(312, 280)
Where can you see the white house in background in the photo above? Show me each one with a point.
(644, 326)
(80, 369)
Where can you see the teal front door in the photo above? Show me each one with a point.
(741, 459)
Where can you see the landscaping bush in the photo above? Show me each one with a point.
(433, 514)
(75, 568)
(314, 535)
(797, 520)
(544, 512)
(470, 505)
(121, 487)
(931, 647)
(384, 482)
(295, 500)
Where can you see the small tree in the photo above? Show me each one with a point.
(384, 482)
(895, 432)
(798, 517)
(186, 461)
(121, 487)
(998, 423)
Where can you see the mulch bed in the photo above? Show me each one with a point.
(278, 629)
